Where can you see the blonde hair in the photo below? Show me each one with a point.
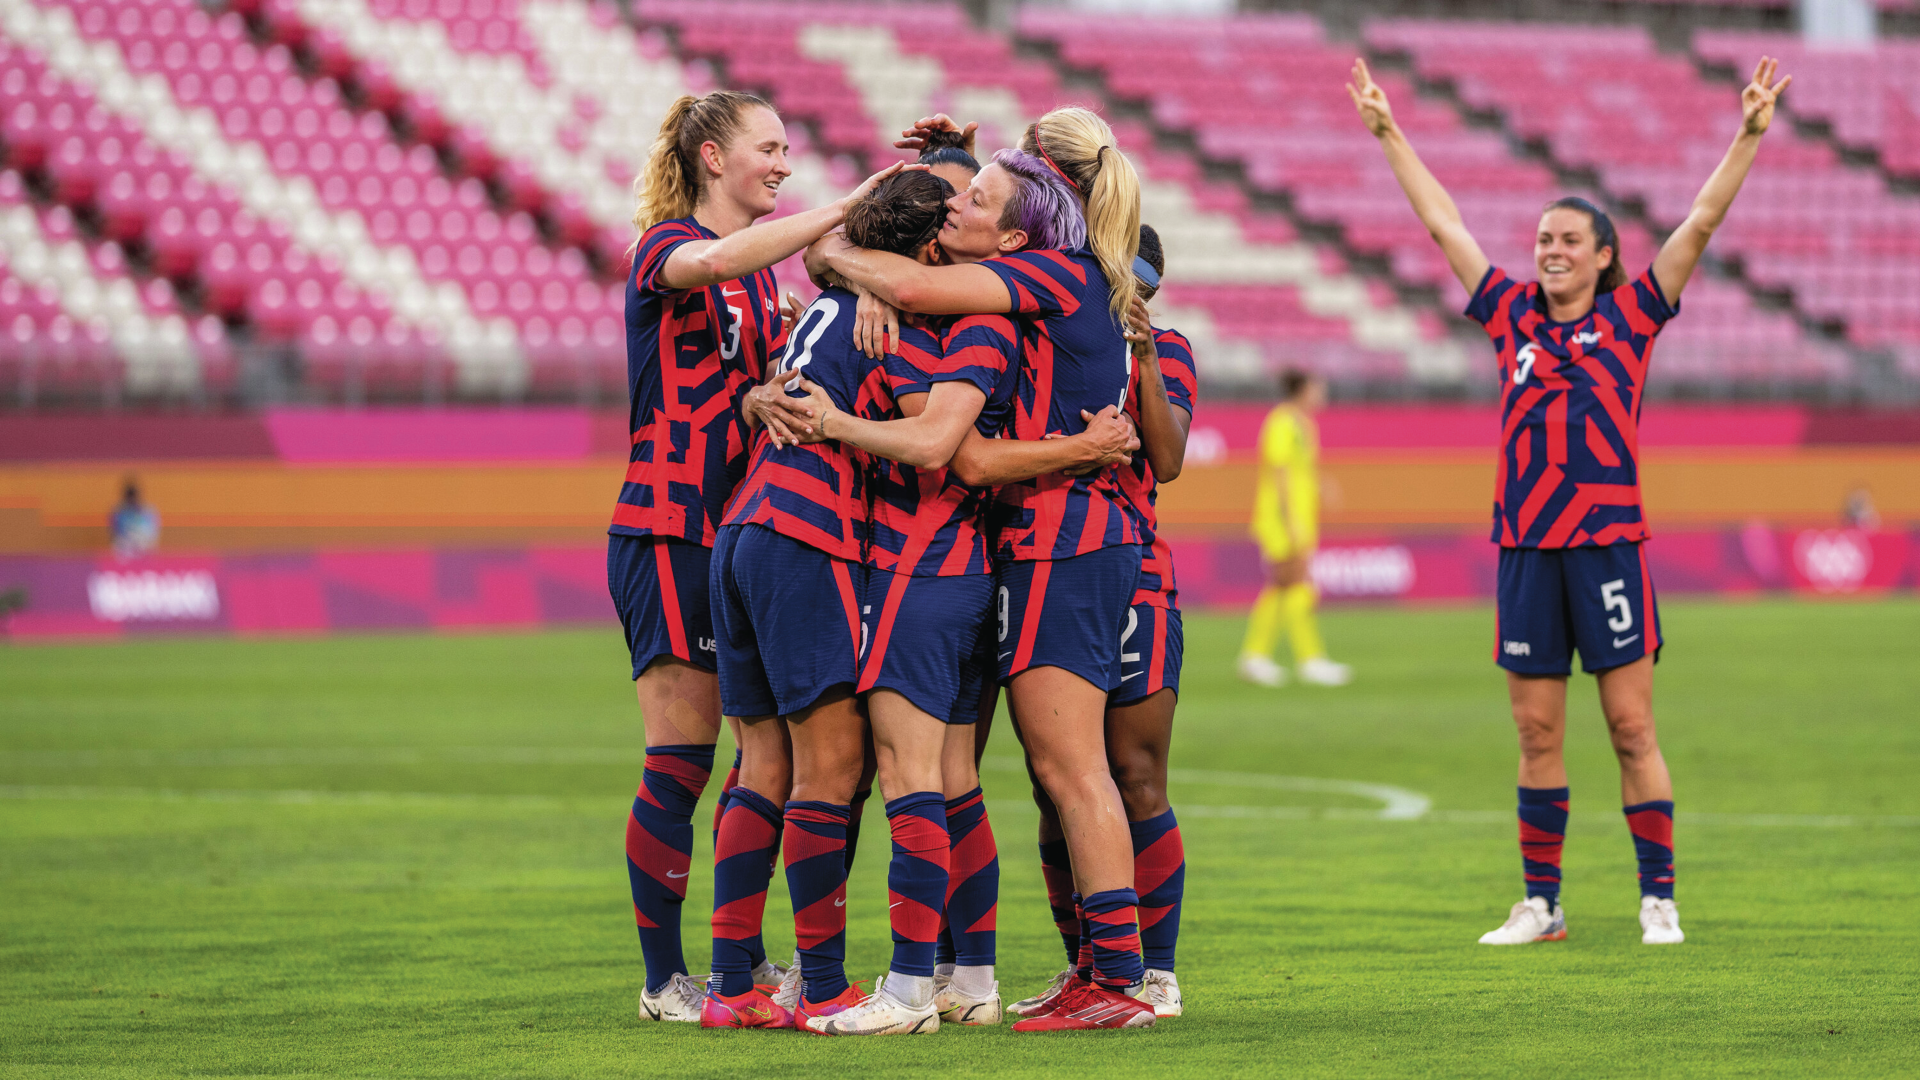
(669, 185)
(1081, 148)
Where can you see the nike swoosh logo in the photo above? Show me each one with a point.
(895, 904)
(1621, 643)
(842, 902)
(1006, 654)
(651, 1011)
(672, 874)
(733, 292)
(1135, 675)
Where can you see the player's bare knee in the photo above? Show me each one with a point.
(1143, 787)
(1633, 736)
(1540, 734)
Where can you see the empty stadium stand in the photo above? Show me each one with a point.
(347, 200)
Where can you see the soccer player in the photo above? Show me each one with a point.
(1139, 722)
(1573, 348)
(1286, 523)
(928, 553)
(1070, 546)
(701, 325)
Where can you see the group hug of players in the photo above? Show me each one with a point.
(845, 527)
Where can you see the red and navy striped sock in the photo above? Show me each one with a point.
(916, 879)
(660, 852)
(1082, 961)
(816, 844)
(973, 884)
(741, 872)
(1652, 826)
(1160, 877)
(726, 792)
(1116, 938)
(855, 811)
(1057, 870)
(1543, 831)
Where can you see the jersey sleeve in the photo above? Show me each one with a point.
(1177, 369)
(1644, 304)
(913, 367)
(656, 244)
(1495, 289)
(1041, 283)
(980, 349)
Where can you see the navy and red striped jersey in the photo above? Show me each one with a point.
(1074, 356)
(1569, 473)
(925, 522)
(817, 494)
(691, 354)
(1156, 585)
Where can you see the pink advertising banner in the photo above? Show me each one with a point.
(530, 587)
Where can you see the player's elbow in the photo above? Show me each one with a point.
(1168, 464)
(909, 293)
(1704, 221)
(969, 469)
(714, 265)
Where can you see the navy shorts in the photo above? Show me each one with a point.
(787, 618)
(925, 640)
(1555, 600)
(659, 587)
(1067, 613)
(1150, 648)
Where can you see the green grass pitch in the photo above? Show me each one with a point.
(404, 859)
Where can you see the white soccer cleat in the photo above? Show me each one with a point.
(957, 1008)
(772, 973)
(1529, 921)
(1039, 1002)
(679, 1000)
(788, 995)
(1321, 671)
(1160, 990)
(1262, 671)
(878, 1014)
(1659, 922)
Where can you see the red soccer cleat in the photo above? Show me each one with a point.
(1088, 1007)
(752, 1009)
(847, 999)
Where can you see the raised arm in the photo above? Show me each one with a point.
(1163, 425)
(1681, 253)
(909, 286)
(700, 263)
(1430, 201)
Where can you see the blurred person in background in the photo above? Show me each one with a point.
(1860, 513)
(135, 525)
(1286, 523)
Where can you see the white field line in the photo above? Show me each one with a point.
(1397, 804)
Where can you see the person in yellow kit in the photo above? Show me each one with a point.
(1286, 523)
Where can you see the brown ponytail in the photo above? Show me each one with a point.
(1081, 147)
(669, 184)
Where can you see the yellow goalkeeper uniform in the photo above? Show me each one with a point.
(1286, 501)
(1286, 523)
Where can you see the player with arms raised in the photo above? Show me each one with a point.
(1574, 348)
(702, 324)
